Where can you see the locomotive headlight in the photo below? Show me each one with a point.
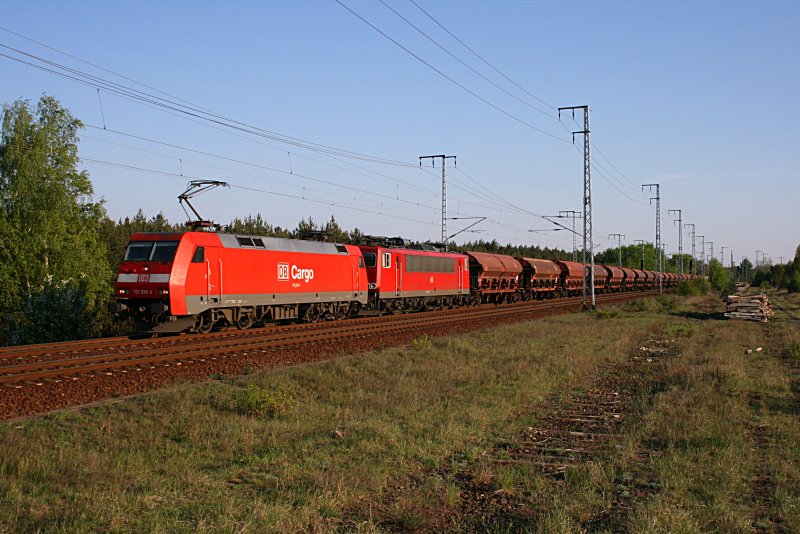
(163, 291)
(122, 291)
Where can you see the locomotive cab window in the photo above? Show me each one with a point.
(164, 251)
(151, 251)
(387, 260)
(360, 261)
(139, 251)
(199, 255)
(370, 259)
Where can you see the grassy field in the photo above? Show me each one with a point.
(335, 446)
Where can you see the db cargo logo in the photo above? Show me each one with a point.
(294, 272)
(283, 271)
(143, 277)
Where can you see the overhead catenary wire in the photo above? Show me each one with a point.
(237, 186)
(259, 166)
(462, 62)
(449, 78)
(420, 208)
(137, 96)
(115, 73)
(498, 71)
(113, 87)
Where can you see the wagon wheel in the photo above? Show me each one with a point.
(204, 323)
(244, 321)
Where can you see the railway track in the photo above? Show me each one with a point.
(13, 355)
(54, 364)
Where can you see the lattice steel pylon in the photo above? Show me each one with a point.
(702, 255)
(619, 237)
(680, 235)
(444, 191)
(694, 261)
(571, 214)
(658, 251)
(588, 241)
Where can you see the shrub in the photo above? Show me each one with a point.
(422, 343)
(687, 288)
(794, 283)
(605, 314)
(258, 400)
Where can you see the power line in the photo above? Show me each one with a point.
(231, 171)
(119, 89)
(257, 165)
(275, 193)
(451, 80)
(498, 71)
(452, 55)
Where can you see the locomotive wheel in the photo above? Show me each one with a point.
(244, 321)
(312, 314)
(205, 324)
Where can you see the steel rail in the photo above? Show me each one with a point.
(76, 346)
(123, 342)
(28, 372)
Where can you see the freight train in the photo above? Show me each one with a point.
(196, 281)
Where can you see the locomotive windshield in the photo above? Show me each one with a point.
(369, 259)
(151, 251)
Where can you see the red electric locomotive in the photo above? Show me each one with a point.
(402, 279)
(171, 282)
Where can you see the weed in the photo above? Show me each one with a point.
(422, 343)
(263, 402)
(606, 314)
(666, 303)
(452, 494)
(506, 478)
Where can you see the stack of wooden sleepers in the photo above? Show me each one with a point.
(753, 307)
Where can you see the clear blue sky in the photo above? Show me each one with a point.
(699, 96)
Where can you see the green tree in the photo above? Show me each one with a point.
(746, 270)
(53, 265)
(794, 283)
(718, 275)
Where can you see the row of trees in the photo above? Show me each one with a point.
(781, 275)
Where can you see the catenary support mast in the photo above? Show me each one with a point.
(444, 191)
(694, 260)
(658, 251)
(619, 237)
(679, 220)
(588, 242)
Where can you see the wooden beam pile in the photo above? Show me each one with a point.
(750, 307)
(742, 287)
